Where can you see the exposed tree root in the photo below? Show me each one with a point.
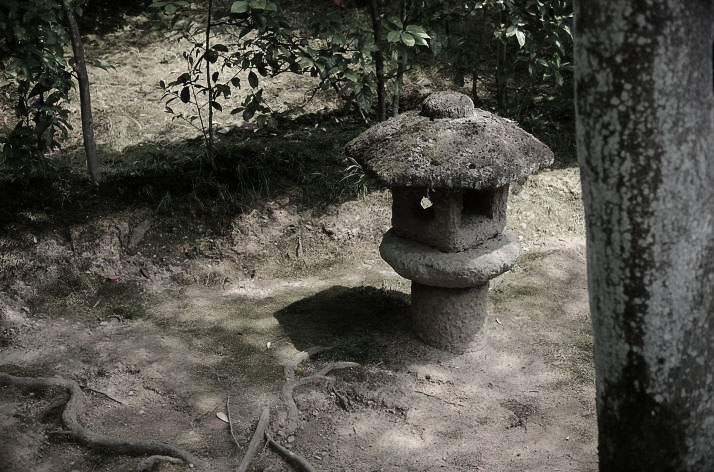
(254, 445)
(261, 430)
(295, 460)
(230, 422)
(291, 365)
(289, 388)
(90, 438)
(291, 383)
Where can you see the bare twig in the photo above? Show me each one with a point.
(103, 394)
(131, 447)
(255, 441)
(230, 423)
(298, 247)
(295, 460)
(439, 398)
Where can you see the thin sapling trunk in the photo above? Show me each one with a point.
(375, 13)
(80, 68)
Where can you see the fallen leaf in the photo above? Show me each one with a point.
(111, 277)
(479, 468)
(268, 344)
(144, 272)
(131, 251)
(222, 416)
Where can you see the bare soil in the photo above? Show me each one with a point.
(162, 313)
(215, 315)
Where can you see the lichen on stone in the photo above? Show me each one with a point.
(474, 151)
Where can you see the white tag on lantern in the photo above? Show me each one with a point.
(426, 202)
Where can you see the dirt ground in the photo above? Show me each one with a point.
(162, 316)
(173, 327)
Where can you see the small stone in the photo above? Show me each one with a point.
(291, 439)
(132, 393)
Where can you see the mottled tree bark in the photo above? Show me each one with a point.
(85, 100)
(646, 144)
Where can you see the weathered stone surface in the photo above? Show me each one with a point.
(429, 266)
(480, 150)
(447, 105)
(456, 221)
(449, 318)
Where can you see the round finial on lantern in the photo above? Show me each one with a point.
(447, 105)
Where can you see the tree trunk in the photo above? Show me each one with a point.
(375, 13)
(474, 86)
(645, 141)
(208, 79)
(501, 77)
(396, 96)
(85, 100)
(401, 66)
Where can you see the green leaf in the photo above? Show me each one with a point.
(521, 37)
(253, 79)
(393, 36)
(566, 28)
(216, 105)
(185, 95)
(235, 81)
(170, 9)
(214, 76)
(211, 56)
(257, 4)
(396, 22)
(417, 31)
(220, 47)
(239, 7)
(408, 39)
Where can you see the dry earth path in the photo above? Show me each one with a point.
(522, 400)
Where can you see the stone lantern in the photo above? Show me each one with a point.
(449, 167)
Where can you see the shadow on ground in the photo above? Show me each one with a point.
(364, 324)
(361, 321)
(250, 166)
